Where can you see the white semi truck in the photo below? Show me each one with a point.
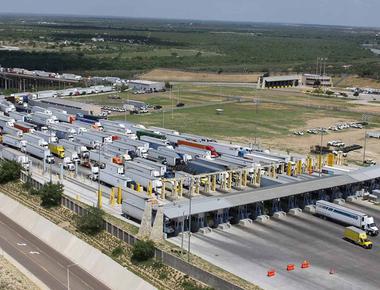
(14, 155)
(36, 140)
(39, 152)
(14, 142)
(347, 216)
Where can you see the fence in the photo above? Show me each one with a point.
(165, 257)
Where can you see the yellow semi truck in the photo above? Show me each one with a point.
(357, 236)
(57, 150)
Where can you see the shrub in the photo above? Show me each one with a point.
(9, 171)
(50, 194)
(143, 251)
(117, 252)
(91, 222)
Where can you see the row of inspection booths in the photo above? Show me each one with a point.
(233, 207)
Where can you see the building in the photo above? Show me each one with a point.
(72, 107)
(279, 81)
(146, 86)
(316, 80)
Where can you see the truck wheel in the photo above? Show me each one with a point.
(369, 247)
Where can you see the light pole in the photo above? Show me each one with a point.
(188, 245)
(320, 153)
(68, 274)
(99, 192)
(365, 145)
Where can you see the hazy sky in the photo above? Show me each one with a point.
(341, 12)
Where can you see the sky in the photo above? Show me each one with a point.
(329, 12)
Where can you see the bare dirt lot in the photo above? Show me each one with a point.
(302, 144)
(13, 279)
(183, 76)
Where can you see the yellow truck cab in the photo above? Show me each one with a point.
(357, 236)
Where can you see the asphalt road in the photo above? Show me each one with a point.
(250, 251)
(42, 261)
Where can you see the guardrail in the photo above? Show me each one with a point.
(165, 257)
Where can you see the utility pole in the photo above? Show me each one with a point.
(320, 154)
(183, 230)
(171, 98)
(188, 245)
(98, 203)
(365, 145)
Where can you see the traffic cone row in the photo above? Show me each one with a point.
(291, 267)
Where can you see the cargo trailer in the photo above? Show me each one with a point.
(36, 140)
(140, 167)
(14, 142)
(12, 131)
(15, 155)
(39, 152)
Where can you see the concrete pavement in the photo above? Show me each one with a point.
(49, 266)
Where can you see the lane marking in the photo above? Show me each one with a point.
(34, 253)
(21, 244)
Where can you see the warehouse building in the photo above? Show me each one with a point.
(146, 86)
(279, 81)
(316, 80)
(71, 107)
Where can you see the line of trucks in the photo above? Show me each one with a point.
(359, 224)
(46, 133)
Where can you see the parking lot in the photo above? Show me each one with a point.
(250, 251)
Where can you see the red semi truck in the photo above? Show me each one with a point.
(199, 146)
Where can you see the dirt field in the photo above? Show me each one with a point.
(301, 144)
(355, 81)
(182, 76)
(13, 279)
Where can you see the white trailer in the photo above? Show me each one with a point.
(81, 150)
(12, 131)
(126, 148)
(7, 107)
(39, 152)
(14, 155)
(6, 121)
(225, 149)
(145, 180)
(36, 140)
(86, 142)
(72, 154)
(170, 157)
(375, 134)
(113, 179)
(48, 137)
(194, 152)
(18, 117)
(143, 168)
(42, 119)
(37, 109)
(114, 168)
(68, 164)
(101, 157)
(98, 137)
(158, 166)
(347, 216)
(14, 142)
(155, 143)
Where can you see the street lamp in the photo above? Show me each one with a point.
(68, 274)
(99, 192)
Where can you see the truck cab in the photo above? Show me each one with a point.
(370, 227)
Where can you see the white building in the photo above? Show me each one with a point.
(146, 86)
(313, 80)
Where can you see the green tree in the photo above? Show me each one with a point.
(91, 222)
(51, 194)
(143, 250)
(9, 171)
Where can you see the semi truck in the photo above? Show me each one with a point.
(155, 143)
(24, 127)
(149, 133)
(161, 168)
(14, 155)
(62, 115)
(226, 149)
(57, 150)
(347, 216)
(72, 154)
(114, 179)
(357, 236)
(49, 137)
(86, 142)
(12, 131)
(98, 137)
(81, 150)
(68, 164)
(33, 139)
(194, 152)
(18, 117)
(114, 168)
(123, 147)
(104, 158)
(14, 142)
(184, 143)
(6, 121)
(39, 152)
(140, 167)
(42, 119)
(167, 156)
(144, 180)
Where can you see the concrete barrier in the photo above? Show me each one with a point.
(205, 230)
(351, 198)
(279, 215)
(295, 211)
(245, 222)
(339, 201)
(224, 226)
(87, 257)
(309, 209)
(263, 219)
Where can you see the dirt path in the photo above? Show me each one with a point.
(12, 279)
